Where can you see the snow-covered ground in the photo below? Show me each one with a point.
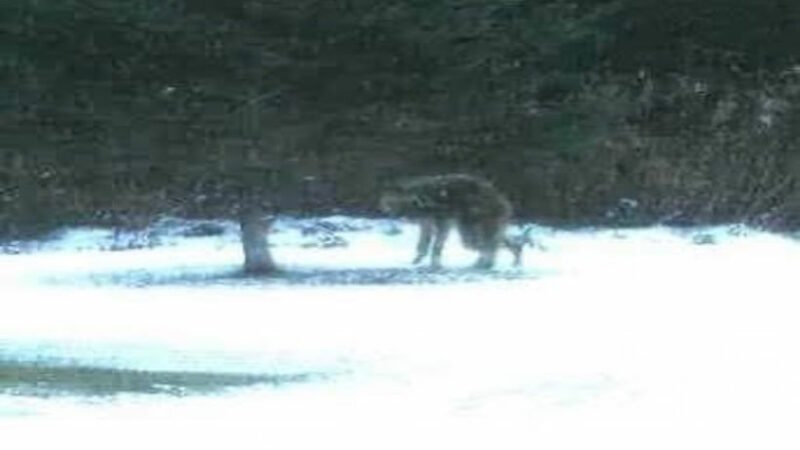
(625, 339)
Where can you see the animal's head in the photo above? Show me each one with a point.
(397, 201)
(517, 242)
(420, 196)
(525, 236)
(522, 238)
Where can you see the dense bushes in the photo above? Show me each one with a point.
(584, 112)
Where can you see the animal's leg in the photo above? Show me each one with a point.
(491, 232)
(441, 231)
(425, 236)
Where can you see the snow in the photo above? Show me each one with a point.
(635, 338)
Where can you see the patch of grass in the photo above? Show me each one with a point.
(45, 380)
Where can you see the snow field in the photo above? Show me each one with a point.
(619, 339)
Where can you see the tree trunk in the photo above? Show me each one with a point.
(255, 227)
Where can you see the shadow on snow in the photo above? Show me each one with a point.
(311, 277)
(294, 276)
(47, 379)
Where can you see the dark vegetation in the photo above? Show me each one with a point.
(615, 111)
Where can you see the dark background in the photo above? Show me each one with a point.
(623, 112)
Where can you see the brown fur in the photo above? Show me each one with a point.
(473, 205)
